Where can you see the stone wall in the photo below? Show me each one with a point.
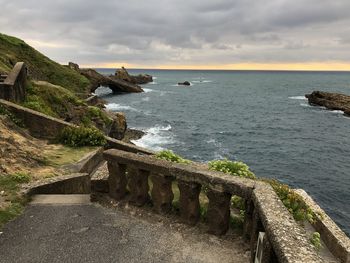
(46, 127)
(285, 240)
(13, 88)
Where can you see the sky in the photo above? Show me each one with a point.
(187, 34)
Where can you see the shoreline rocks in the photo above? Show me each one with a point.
(97, 80)
(185, 83)
(123, 74)
(332, 101)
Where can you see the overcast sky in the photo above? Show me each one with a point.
(169, 33)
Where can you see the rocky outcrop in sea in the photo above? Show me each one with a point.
(97, 80)
(123, 74)
(332, 101)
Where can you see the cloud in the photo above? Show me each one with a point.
(156, 32)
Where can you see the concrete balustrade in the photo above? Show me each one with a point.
(284, 240)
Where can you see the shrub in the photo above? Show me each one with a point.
(81, 136)
(294, 202)
(316, 240)
(171, 157)
(231, 167)
(21, 177)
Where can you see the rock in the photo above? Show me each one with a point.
(73, 66)
(332, 101)
(123, 74)
(119, 126)
(116, 85)
(185, 83)
(97, 80)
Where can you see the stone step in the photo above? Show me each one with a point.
(53, 199)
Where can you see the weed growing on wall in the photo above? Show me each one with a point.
(171, 157)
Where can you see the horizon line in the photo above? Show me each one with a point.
(209, 69)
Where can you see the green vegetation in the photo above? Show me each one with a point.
(60, 155)
(59, 102)
(316, 240)
(171, 157)
(292, 201)
(51, 99)
(81, 136)
(12, 117)
(231, 167)
(14, 204)
(13, 50)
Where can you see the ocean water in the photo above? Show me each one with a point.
(261, 118)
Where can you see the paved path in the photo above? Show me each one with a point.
(78, 231)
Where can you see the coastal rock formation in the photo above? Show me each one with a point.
(97, 80)
(332, 101)
(185, 83)
(119, 126)
(123, 74)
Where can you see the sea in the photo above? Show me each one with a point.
(259, 117)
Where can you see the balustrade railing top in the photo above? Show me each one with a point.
(284, 241)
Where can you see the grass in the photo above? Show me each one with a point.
(9, 186)
(13, 50)
(60, 155)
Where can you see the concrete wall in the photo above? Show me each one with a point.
(14, 86)
(38, 124)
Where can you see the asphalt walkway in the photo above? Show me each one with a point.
(71, 229)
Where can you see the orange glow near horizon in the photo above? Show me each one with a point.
(314, 66)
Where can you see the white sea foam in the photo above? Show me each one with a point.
(298, 98)
(202, 81)
(337, 111)
(156, 138)
(152, 83)
(145, 99)
(155, 77)
(305, 105)
(118, 107)
(146, 90)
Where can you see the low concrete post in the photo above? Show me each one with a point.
(162, 194)
(117, 180)
(256, 228)
(218, 211)
(138, 186)
(189, 202)
(248, 219)
(267, 253)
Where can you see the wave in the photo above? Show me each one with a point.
(152, 83)
(146, 90)
(337, 111)
(298, 98)
(145, 99)
(202, 81)
(155, 138)
(118, 107)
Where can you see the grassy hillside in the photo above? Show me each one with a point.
(40, 67)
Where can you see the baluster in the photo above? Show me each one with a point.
(189, 202)
(138, 186)
(162, 194)
(117, 180)
(248, 219)
(218, 211)
(256, 228)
